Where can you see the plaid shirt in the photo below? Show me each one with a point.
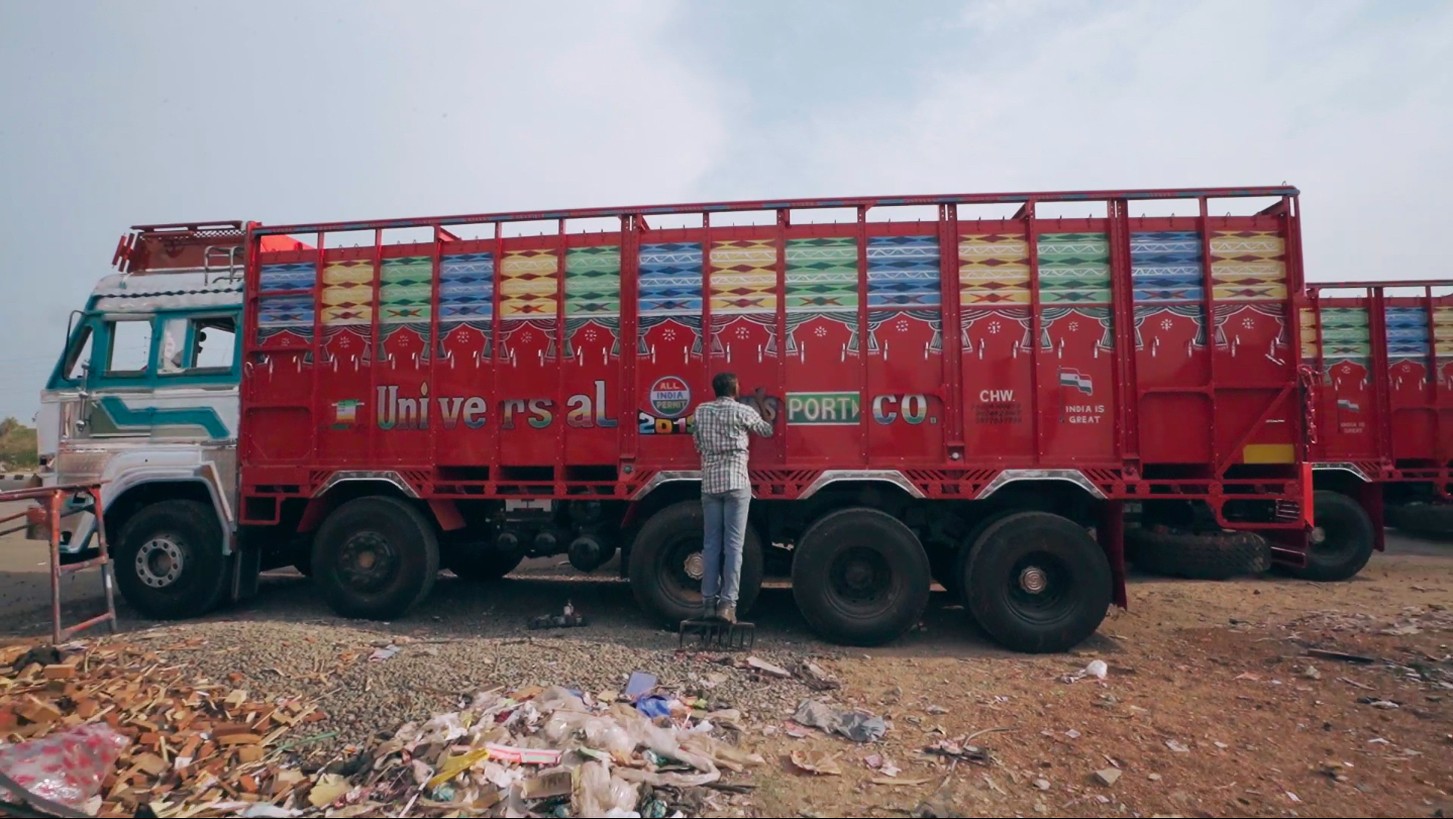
(720, 432)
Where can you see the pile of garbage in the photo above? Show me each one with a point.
(548, 752)
(113, 731)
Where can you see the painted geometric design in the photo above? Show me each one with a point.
(348, 293)
(1165, 266)
(993, 269)
(406, 291)
(466, 287)
(1248, 265)
(294, 313)
(593, 281)
(296, 276)
(903, 272)
(743, 277)
(529, 284)
(1346, 334)
(670, 280)
(1407, 333)
(822, 276)
(1443, 331)
(1074, 268)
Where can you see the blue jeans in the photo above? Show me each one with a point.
(726, 530)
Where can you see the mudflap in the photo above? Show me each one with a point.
(1369, 497)
(245, 567)
(1112, 540)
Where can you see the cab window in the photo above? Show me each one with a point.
(130, 349)
(198, 345)
(78, 357)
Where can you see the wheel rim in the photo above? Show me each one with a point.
(1039, 588)
(683, 567)
(160, 561)
(860, 581)
(1330, 543)
(367, 562)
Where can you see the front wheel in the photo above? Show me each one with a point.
(860, 577)
(168, 560)
(1037, 582)
(1342, 539)
(666, 564)
(375, 558)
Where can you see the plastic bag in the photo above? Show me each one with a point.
(604, 734)
(597, 793)
(66, 767)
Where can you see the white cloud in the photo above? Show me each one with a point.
(1160, 95)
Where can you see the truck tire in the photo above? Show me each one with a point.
(375, 558)
(1426, 520)
(1197, 556)
(860, 577)
(665, 565)
(482, 562)
(1037, 582)
(1342, 539)
(168, 560)
(953, 572)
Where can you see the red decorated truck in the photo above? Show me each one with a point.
(1382, 428)
(971, 388)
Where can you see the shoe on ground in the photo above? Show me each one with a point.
(727, 613)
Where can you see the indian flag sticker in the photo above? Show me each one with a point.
(345, 413)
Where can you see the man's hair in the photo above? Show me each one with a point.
(724, 384)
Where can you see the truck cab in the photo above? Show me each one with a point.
(144, 400)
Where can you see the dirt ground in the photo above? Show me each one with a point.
(1211, 704)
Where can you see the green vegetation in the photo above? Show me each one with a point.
(17, 444)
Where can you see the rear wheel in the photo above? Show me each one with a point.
(666, 565)
(168, 560)
(1037, 582)
(952, 568)
(1198, 556)
(1428, 520)
(375, 558)
(1342, 539)
(860, 577)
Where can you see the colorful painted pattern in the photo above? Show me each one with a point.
(593, 281)
(1165, 266)
(670, 280)
(1407, 333)
(743, 277)
(1248, 265)
(822, 275)
(466, 288)
(405, 292)
(993, 269)
(529, 284)
(348, 294)
(1074, 268)
(1345, 334)
(283, 313)
(1443, 331)
(903, 272)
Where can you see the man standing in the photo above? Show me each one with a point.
(720, 431)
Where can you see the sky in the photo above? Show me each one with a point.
(144, 112)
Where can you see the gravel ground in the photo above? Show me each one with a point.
(366, 698)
